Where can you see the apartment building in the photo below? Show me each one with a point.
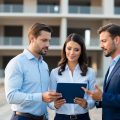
(65, 17)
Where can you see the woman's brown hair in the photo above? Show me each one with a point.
(82, 59)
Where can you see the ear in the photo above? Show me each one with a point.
(31, 38)
(117, 40)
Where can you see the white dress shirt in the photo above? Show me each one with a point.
(67, 77)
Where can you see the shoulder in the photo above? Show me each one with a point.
(14, 62)
(15, 59)
(55, 70)
(91, 70)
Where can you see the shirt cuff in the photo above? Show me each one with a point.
(90, 104)
(37, 97)
(51, 105)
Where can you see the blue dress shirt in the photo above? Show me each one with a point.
(67, 77)
(26, 78)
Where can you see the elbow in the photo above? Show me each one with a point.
(10, 99)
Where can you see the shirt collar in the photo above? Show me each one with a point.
(115, 60)
(76, 67)
(29, 55)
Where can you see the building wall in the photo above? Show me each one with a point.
(100, 14)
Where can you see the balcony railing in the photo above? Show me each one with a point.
(11, 41)
(94, 42)
(55, 41)
(85, 9)
(1, 73)
(48, 9)
(11, 8)
(18, 41)
(117, 10)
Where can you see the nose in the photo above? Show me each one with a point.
(72, 52)
(48, 43)
(101, 45)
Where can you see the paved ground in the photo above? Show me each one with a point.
(5, 111)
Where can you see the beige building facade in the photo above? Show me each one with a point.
(65, 17)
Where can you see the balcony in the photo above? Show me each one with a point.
(117, 10)
(1, 73)
(55, 41)
(84, 9)
(10, 41)
(48, 9)
(11, 8)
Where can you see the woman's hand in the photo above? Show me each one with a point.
(81, 102)
(59, 102)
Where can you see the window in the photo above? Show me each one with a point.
(12, 35)
(13, 6)
(48, 6)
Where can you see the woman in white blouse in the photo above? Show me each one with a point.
(73, 68)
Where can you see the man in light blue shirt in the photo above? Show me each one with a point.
(27, 77)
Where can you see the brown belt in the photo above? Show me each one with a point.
(30, 116)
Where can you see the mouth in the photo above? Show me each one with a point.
(72, 57)
(44, 51)
(104, 50)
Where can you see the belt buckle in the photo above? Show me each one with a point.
(73, 117)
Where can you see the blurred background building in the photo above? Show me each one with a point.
(65, 17)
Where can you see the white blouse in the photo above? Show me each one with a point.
(66, 77)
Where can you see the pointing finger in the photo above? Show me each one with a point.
(87, 91)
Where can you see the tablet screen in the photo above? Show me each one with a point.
(71, 90)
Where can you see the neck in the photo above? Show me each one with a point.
(33, 52)
(115, 54)
(72, 65)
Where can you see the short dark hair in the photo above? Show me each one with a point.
(36, 29)
(82, 61)
(112, 28)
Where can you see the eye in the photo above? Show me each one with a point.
(45, 40)
(104, 40)
(68, 48)
(76, 49)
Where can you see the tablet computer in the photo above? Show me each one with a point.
(71, 90)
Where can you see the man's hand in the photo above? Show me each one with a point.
(95, 95)
(50, 96)
(59, 102)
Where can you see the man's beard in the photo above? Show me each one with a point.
(43, 52)
(110, 53)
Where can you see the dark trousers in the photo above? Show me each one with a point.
(72, 117)
(22, 117)
(16, 117)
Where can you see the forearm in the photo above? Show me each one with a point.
(16, 97)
